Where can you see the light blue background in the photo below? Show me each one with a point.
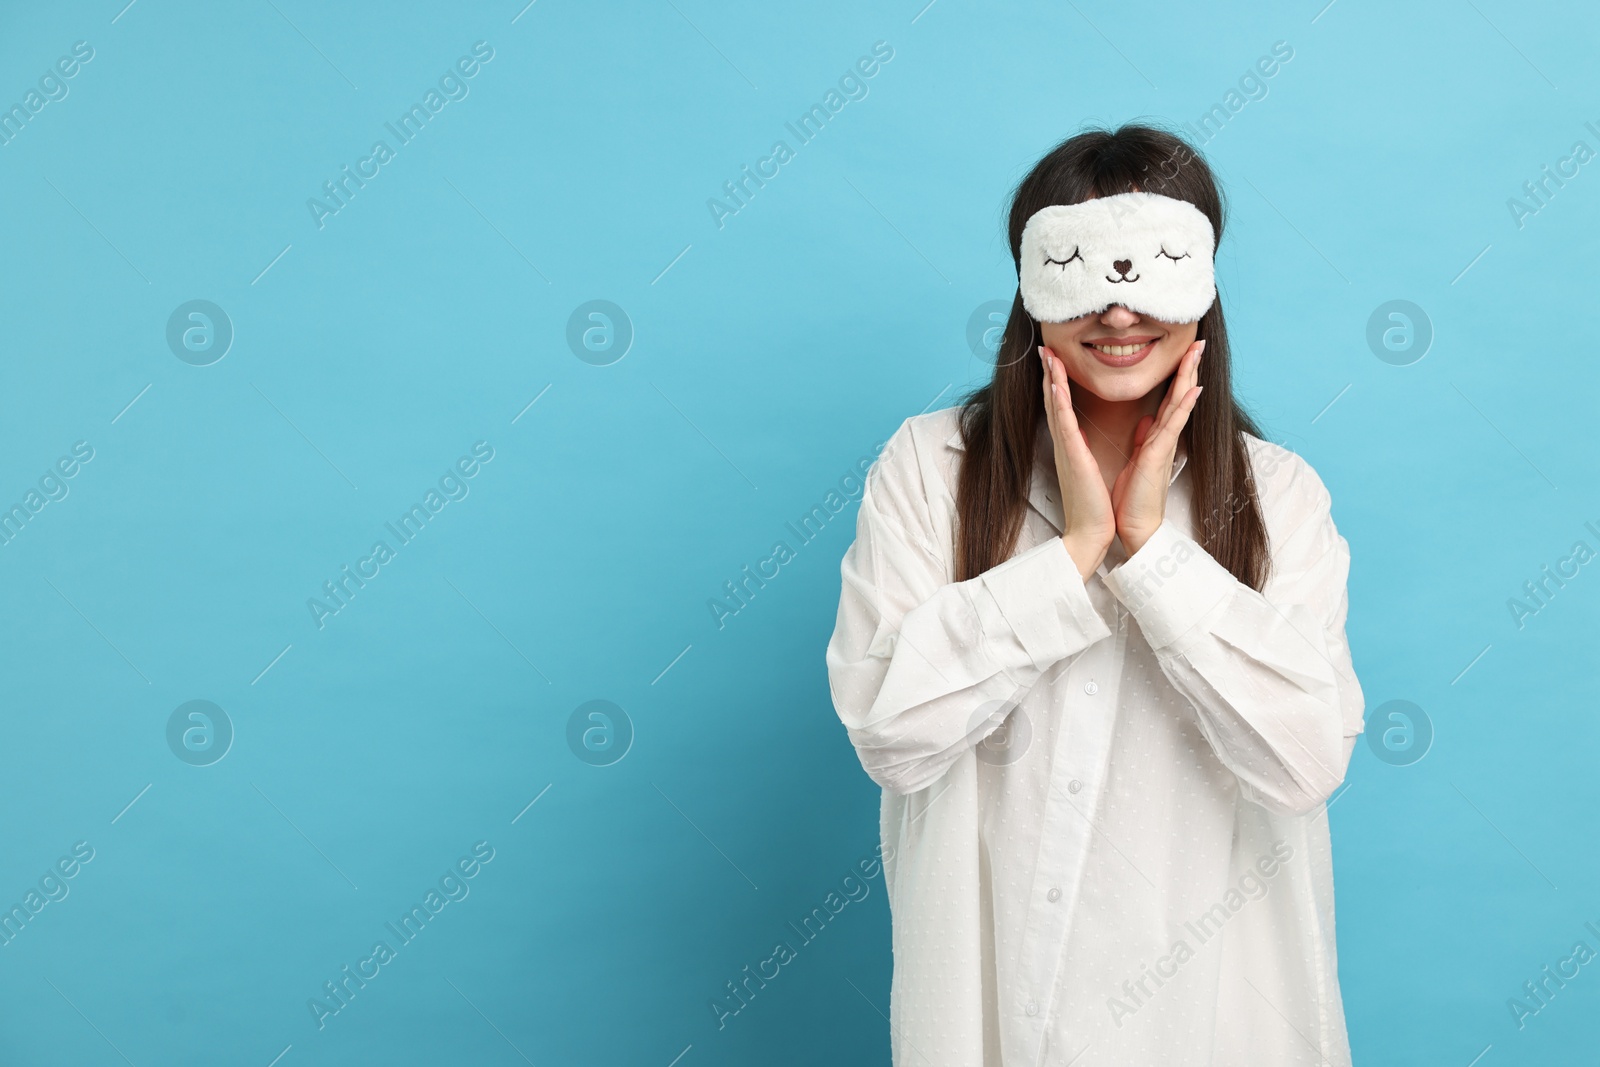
(771, 356)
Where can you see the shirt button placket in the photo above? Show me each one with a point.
(1061, 819)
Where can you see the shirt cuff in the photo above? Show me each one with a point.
(1169, 585)
(1039, 596)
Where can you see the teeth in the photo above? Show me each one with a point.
(1118, 350)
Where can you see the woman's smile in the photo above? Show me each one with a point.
(1117, 355)
(1121, 351)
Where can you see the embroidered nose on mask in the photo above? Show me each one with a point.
(1148, 252)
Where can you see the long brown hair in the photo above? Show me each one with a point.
(999, 422)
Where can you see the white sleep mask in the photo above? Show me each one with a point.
(1148, 252)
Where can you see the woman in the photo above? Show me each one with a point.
(1091, 644)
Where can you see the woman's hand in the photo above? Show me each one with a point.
(1090, 522)
(1139, 495)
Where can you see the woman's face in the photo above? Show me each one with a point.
(1119, 354)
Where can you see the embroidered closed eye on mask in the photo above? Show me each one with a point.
(1150, 253)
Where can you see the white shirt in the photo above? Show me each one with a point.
(1104, 832)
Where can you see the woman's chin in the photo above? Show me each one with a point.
(1116, 388)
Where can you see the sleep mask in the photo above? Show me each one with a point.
(1148, 252)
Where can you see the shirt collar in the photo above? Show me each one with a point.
(955, 442)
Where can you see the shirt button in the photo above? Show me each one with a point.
(1033, 1009)
(1053, 896)
(1091, 688)
(1074, 786)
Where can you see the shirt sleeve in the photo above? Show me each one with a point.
(1268, 673)
(922, 668)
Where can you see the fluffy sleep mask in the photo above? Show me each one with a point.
(1148, 252)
